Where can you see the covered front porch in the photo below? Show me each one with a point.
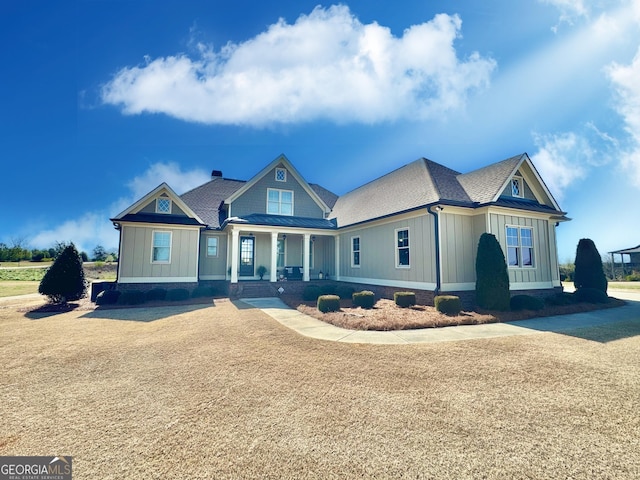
(277, 253)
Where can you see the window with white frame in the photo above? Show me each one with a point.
(517, 187)
(519, 246)
(212, 246)
(163, 205)
(281, 174)
(161, 249)
(279, 202)
(355, 251)
(402, 248)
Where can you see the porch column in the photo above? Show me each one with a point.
(336, 275)
(305, 257)
(235, 238)
(273, 271)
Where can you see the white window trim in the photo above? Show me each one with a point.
(280, 190)
(217, 237)
(520, 181)
(279, 169)
(353, 251)
(153, 236)
(170, 205)
(520, 247)
(397, 248)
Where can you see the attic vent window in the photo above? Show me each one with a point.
(516, 187)
(163, 205)
(281, 175)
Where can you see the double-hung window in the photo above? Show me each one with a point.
(355, 251)
(520, 246)
(402, 248)
(279, 202)
(212, 246)
(161, 249)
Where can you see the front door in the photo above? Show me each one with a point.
(246, 256)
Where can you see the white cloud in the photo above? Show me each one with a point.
(94, 228)
(326, 65)
(560, 160)
(626, 81)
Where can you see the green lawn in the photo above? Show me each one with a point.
(10, 288)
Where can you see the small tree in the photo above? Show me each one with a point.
(492, 279)
(99, 254)
(64, 280)
(589, 272)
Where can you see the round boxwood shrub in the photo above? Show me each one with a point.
(526, 302)
(492, 279)
(560, 299)
(177, 294)
(203, 291)
(448, 304)
(328, 303)
(364, 299)
(404, 299)
(131, 297)
(328, 289)
(344, 292)
(107, 297)
(155, 294)
(591, 295)
(311, 293)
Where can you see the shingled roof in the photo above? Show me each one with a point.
(425, 182)
(206, 200)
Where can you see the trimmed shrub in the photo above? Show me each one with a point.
(328, 303)
(492, 279)
(344, 292)
(634, 277)
(591, 295)
(560, 299)
(155, 294)
(448, 304)
(589, 272)
(202, 291)
(107, 297)
(131, 297)
(526, 302)
(311, 293)
(404, 299)
(64, 280)
(177, 294)
(364, 299)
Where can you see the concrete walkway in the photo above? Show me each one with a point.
(311, 327)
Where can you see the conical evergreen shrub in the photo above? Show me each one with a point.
(64, 280)
(492, 279)
(589, 272)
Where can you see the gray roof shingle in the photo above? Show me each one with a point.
(484, 184)
(206, 200)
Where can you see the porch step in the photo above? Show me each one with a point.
(256, 289)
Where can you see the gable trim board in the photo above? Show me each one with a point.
(444, 211)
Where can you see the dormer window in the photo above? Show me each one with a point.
(163, 205)
(281, 174)
(517, 187)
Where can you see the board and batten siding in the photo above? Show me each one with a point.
(213, 268)
(378, 245)
(459, 242)
(254, 200)
(137, 265)
(544, 270)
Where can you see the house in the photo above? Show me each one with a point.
(627, 267)
(415, 228)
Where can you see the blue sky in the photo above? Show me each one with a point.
(101, 101)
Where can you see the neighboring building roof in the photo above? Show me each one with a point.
(628, 250)
(284, 221)
(207, 199)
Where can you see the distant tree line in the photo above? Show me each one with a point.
(18, 251)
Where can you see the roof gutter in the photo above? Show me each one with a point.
(436, 222)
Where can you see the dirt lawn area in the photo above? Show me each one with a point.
(225, 391)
